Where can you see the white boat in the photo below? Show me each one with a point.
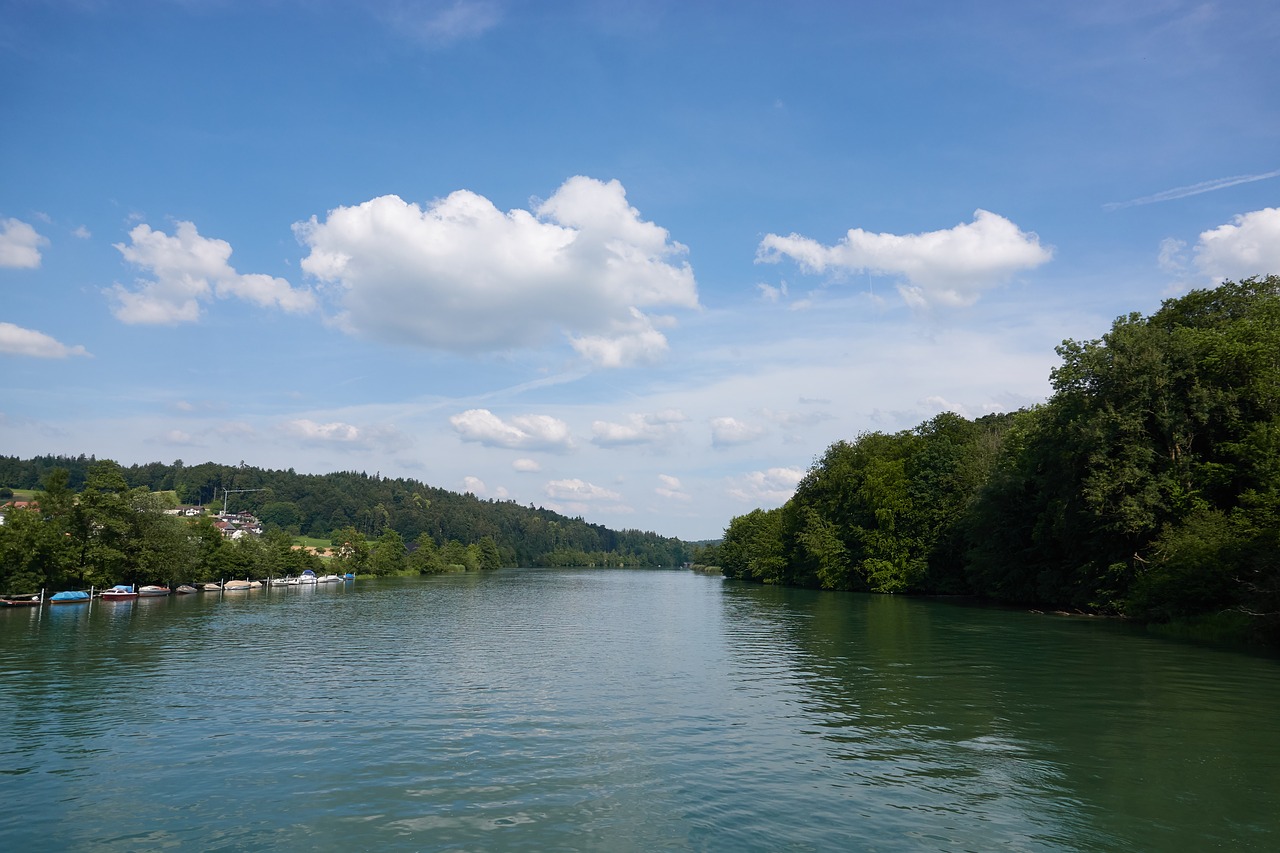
(236, 586)
(308, 576)
(329, 579)
(119, 592)
(285, 581)
(152, 591)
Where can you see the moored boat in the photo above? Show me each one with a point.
(211, 586)
(152, 591)
(329, 579)
(308, 576)
(73, 596)
(119, 592)
(236, 586)
(184, 589)
(21, 600)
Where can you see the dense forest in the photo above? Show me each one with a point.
(97, 522)
(1147, 486)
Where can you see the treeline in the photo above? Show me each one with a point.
(320, 505)
(1148, 485)
(110, 533)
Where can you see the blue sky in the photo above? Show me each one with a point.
(638, 262)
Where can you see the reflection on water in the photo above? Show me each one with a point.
(621, 710)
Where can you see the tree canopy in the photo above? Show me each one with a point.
(1147, 485)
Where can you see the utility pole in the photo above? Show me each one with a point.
(226, 492)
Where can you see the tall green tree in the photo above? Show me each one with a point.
(389, 556)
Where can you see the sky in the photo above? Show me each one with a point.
(639, 262)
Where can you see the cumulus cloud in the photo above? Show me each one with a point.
(773, 486)
(726, 432)
(20, 244)
(310, 431)
(523, 432)
(16, 340)
(631, 342)
(185, 270)
(1249, 245)
(670, 488)
(526, 466)
(950, 267)
(474, 485)
(638, 429)
(463, 276)
(580, 491)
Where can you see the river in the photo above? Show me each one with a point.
(621, 710)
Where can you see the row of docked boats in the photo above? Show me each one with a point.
(309, 577)
(127, 592)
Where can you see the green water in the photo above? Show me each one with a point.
(617, 710)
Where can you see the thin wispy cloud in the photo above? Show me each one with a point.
(1193, 189)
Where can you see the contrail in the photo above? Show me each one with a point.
(1194, 189)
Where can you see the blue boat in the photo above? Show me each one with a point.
(71, 597)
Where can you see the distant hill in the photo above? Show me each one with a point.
(319, 504)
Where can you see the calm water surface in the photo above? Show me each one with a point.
(617, 710)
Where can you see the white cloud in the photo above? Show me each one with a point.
(774, 486)
(951, 267)
(538, 432)
(791, 420)
(730, 431)
(1249, 245)
(310, 431)
(941, 404)
(769, 293)
(81, 233)
(344, 436)
(639, 429)
(20, 244)
(235, 431)
(179, 437)
(463, 276)
(627, 343)
(16, 340)
(474, 485)
(526, 466)
(670, 488)
(1173, 255)
(187, 269)
(580, 491)
(441, 23)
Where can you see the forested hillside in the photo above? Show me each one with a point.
(114, 516)
(1148, 485)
